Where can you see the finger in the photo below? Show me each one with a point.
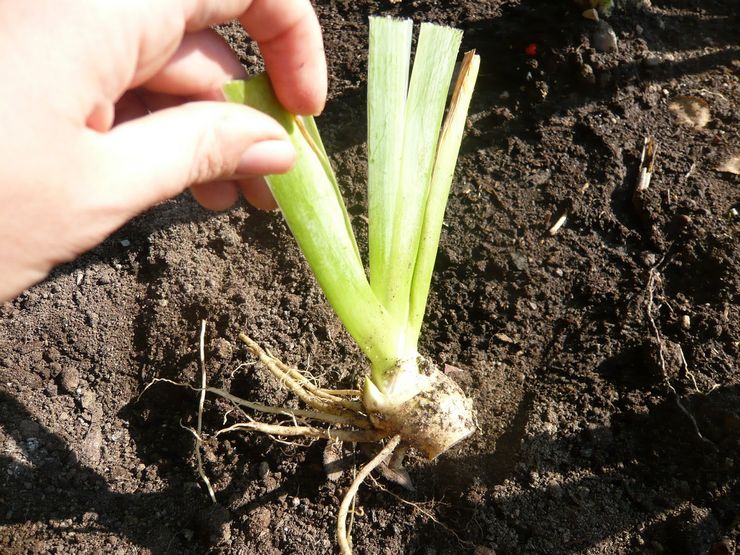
(129, 107)
(256, 191)
(217, 195)
(138, 103)
(156, 157)
(289, 37)
(202, 64)
(287, 32)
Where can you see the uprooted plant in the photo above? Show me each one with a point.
(405, 398)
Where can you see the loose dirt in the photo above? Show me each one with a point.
(599, 431)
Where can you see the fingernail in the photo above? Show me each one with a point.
(266, 157)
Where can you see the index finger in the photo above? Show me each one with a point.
(287, 32)
(289, 37)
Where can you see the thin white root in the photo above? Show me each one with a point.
(357, 436)
(325, 394)
(653, 278)
(342, 392)
(342, 535)
(299, 386)
(330, 418)
(201, 402)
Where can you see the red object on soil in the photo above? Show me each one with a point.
(531, 49)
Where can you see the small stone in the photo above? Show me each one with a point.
(686, 321)
(69, 379)
(651, 61)
(87, 399)
(682, 220)
(605, 39)
(638, 29)
(559, 272)
(263, 470)
(504, 95)
(259, 520)
(55, 369)
(223, 349)
(649, 259)
(519, 261)
(296, 501)
(92, 319)
(334, 461)
(125, 243)
(92, 443)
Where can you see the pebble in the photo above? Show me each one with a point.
(519, 261)
(223, 349)
(652, 61)
(605, 39)
(686, 321)
(649, 259)
(92, 444)
(92, 319)
(87, 399)
(125, 243)
(69, 379)
(263, 470)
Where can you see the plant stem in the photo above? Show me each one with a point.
(312, 205)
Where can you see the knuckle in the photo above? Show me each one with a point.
(209, 157)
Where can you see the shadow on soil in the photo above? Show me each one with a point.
(654, 475)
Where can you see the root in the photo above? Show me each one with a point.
(333, 407)
(420, 508)
(329, 418)
(653, 279)
(201, 402)
(319, 399)
(356, 436)
(342, 535)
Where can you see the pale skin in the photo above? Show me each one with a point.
(109, 107)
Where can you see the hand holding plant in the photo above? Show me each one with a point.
(107, 108)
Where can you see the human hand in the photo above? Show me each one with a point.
(108, 108)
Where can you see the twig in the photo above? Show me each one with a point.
(558, 223)
(342, 537)
(647, 162)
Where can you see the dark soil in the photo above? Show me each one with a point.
(583, 445)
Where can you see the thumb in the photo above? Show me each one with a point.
(156, 157)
